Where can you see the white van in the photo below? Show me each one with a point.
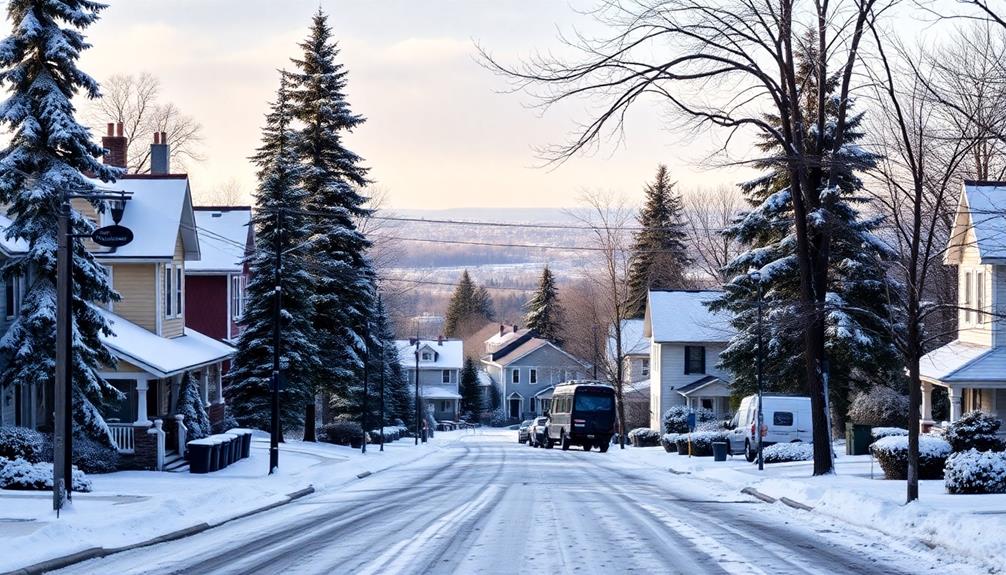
(787, 420)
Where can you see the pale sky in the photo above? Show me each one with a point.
(439, 132)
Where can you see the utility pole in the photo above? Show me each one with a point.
(277, 319)
(62, 466)
(417, 384)
(593, 333)
(366, 380)
(761, 416)
(383, 368)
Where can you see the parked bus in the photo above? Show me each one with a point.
(582, 413)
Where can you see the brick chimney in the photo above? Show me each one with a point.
(115, 146)
(501, 330)
(515, 328)
(160, 154)
(440, 340)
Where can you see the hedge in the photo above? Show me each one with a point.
(892, 454)
(974, 471)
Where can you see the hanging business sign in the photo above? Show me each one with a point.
(112, 236)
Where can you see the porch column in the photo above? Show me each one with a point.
(141, 400)
(954, 394)
(204, 386)
(218, 377)
(927, 402)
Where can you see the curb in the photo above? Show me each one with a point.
(99, 552)
(758, 494)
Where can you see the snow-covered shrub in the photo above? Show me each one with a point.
(974, 430)
(701, 442)
(342, 433)
(882, 432)
(892, 454)
(675, 419)
(190, 404)
(23, 443)
(881, 406)
(783, 452)
(391, 433)
(644, 437)
(669, 442)
(499, 417)
(93, 457)
(974, 471)
(21, 474)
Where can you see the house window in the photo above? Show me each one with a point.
(967, 297)
(12, 289)
(644, 368)
(179, 283)
(695, 359)
(980, 297)
(444, 406)
(445, 376)
(533, 378)
(237, 299)
(707, 403)
(168, 290)
(426, 356)
(515, 376)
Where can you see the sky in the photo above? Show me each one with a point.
(440, 133)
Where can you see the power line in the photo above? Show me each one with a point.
(449, 284)
(495, 244)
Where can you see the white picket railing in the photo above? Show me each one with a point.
(122, 436)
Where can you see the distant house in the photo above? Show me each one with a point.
(524, 370)
(635, 371)
(439, 367)
(972, 368)
(215, 294)
(686, 340)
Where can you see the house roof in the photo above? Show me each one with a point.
(963, 361)
(703, 385)
(982, 210)
(10, 246)
(159, 208)
(499, 340)
(531, 345)
(158, 355)
(449, 354)
(440, 392)
(223, 238)
(633, 341)
(681, 316)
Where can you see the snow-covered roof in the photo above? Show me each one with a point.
(982, 210)
(440, 392)
(10, 246)
(709, 386)
(159, 208)
(223, 237)
(448, 354)
(485, 380)
(963, 361)
(681, 316)
(158, 355)
(633, 340)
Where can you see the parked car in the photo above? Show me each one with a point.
(537, 432)
(523, 432)
(582, 413)
(787, 420)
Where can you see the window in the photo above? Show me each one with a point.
(707, 403)
(515, 376)
(168, 291)
(237, 299)
(695, 359)
(980, 297)
(446, 376)
(12, 289)
(589, 402)
(784, 418)
(967, 297)
(645, 368)
(179, 284)
(426, 356)
(533, 378)
(444, 405)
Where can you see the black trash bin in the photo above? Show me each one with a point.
(236, 445)
(224, 452)
(719, 451)
(246, 437)
(214, 463)
(425, 431)
(200, 451)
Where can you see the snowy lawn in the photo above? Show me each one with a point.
(858, 494)
(133, 506)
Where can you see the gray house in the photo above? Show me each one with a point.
(524, 370)
(440, 361)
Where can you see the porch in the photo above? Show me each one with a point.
(710, 393)
(986, 397)
(442, 402)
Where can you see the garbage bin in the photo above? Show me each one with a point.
(214, 463)
(857, 439)
(200, 451)
(719, 451)
(230, 442)
(246, 437)
(424, 434)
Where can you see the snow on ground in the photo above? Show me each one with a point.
(133, 506)
(858, 494)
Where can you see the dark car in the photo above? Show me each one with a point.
(523, 431)
(582, 413)
(537, 431)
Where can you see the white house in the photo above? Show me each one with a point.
(439, 364)
(972, 368)
(635, 371)
(686, 340)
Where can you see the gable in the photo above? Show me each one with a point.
(979, 222)
(547, 356)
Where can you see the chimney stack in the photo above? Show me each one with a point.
(160, 154)
(501, 330)
(440, 340)
(515, 328)
(115, 146)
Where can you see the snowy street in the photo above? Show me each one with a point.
(486, 504)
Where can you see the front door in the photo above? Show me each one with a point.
(514, 407)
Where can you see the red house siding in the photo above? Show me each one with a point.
(206, 305)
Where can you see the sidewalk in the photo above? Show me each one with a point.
(131, 507)
(968, 524)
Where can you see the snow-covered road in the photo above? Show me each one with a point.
(486, 505)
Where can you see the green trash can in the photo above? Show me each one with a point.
(719, 451)
(858, 438)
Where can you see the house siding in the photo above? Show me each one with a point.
(206, 305)
(175, 326)
(668, 374)
(970, 330)
(135, 282)
(552, 367)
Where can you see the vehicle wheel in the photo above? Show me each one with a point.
(548, 441)
(586, 446)
(604, 446)
(564, 439)
(749, 454)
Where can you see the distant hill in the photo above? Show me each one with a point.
(530, 215)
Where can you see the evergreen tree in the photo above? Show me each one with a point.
(47, 155)
(470, 307)
(398, 401)
(471, 395)
(344, 293)
(544, 312)
(659, 255)
(279, 200)
(858, 346)
(190, 404)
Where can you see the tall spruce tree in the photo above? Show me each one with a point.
(398, 402)
(544, 312)
(469, 308)
(47, 155)
(659, 255)
(858, 346)
(471, 395)
(279, 224)
(344, 284)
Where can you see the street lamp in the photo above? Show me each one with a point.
(756, 277)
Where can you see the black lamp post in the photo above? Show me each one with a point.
(756, 276)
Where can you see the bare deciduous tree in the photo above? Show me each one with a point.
(134, 101)
(708, 211)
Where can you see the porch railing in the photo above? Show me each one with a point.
(122, 436)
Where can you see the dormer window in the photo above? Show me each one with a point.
(426, 356)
